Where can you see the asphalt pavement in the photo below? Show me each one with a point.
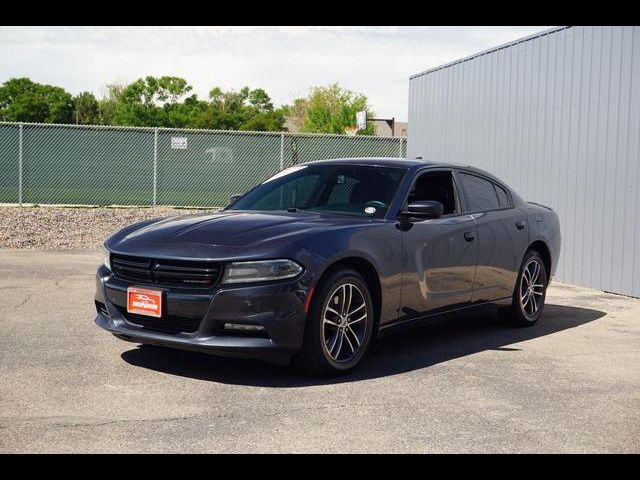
(569, 384)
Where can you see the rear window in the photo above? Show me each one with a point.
(503, 198)
(480, 194)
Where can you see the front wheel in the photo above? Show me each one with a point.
(339, 325)
(529, 293)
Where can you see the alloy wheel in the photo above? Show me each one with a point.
(344, 322)
(531, 289)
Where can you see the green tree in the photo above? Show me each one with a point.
(244, 110)
(330, 110)
(22, 100)
(86, 110)
(259, 100)
(153, 102)
(181, 115)
(266, 121)
(108, 104)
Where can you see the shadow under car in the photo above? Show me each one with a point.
(394, 354)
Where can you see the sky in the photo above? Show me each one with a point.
(285, 61)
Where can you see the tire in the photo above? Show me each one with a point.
(526, 308)
(334, 344)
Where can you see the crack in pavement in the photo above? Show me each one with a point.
(97, 424)
(26, 299)
(124, 421)
(190, 417)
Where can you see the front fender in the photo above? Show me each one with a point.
(378, 243)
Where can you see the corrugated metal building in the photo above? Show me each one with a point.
(557, 116)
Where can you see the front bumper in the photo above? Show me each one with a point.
(278, 307)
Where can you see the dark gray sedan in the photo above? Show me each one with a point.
(318, 260)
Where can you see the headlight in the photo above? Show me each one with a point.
(260, 271)
(107, 257)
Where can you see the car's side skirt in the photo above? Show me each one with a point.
(436, 317)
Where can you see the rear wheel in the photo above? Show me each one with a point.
(339, 325)
(529, 293)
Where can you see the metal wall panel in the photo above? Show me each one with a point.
(557, 116)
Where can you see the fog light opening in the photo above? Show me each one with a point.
(243, 327)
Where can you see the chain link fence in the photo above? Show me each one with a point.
(99, 165)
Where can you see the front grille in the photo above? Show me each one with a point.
(166, 324)
(171, 273)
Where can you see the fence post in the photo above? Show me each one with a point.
(401, 144)
(281, 150)
(20, 164)
(155, 165)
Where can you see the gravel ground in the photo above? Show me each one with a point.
(57, 228)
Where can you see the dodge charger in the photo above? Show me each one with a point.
(317, 261)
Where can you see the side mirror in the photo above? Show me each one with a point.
(424, 209)
(234, 198)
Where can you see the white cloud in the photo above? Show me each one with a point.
(286, 61)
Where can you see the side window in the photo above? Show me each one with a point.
(436, 186)
(480, 193)
(503, 198)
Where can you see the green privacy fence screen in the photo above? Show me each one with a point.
(9, 163)
(98, 165)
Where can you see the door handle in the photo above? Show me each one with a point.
(469, 236)
(520, 224)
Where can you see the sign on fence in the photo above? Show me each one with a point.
(179, 143)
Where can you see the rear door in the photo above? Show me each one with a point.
(502, 236)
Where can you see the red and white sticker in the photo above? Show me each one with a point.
(144, 301)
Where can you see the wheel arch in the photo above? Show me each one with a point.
(542, 248)
(370, 275)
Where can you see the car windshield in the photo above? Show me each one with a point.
(347, 189)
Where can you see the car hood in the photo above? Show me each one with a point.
(226, 230)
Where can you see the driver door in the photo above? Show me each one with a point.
(438, 255)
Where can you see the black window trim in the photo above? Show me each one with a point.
(460, 199)
(497, 186)
(494, 183)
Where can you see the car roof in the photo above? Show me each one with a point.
(387, 162)
(403, 163)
